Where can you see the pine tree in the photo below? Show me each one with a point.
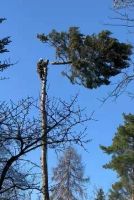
(122, 161)
(119, 192)
(93, 60)
(100, 195)
(69, 177)
(3, 43)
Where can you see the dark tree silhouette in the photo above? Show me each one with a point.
(18, 135)
(100, 195)
(122, 161)
(3, 44)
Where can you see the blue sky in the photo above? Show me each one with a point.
(27, 18)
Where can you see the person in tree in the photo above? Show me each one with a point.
(41, 66)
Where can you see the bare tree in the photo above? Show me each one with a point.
(123, 18)
(68, 177)
(14, 178)
(123, 3)
(123, 10)
(18, 135)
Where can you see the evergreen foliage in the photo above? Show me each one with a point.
(69, 177)
(100, 194)
(2, 19)
(3, 44)
(122, 161)
(118, 192)
(94, 59)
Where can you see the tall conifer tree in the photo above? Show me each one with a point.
(100, 195)
(69, 177)
(92, 59)
(122, 161)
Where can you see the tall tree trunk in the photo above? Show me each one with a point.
(42, 70)
(133, 192)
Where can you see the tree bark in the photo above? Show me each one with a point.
(133, 192)
(44, 164)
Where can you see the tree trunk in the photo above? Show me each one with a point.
(133, 192)
(43, 75)
(6, 168)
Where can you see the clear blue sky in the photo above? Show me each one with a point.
(27, 18)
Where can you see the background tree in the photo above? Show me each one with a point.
(18, 135)
(3, 43)
(123, 18)
(13, 178)
(100, 195)
(118, 192)
(69, 177)
(123, 3)
(122, 161)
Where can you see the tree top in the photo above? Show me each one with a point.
(93, 59)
